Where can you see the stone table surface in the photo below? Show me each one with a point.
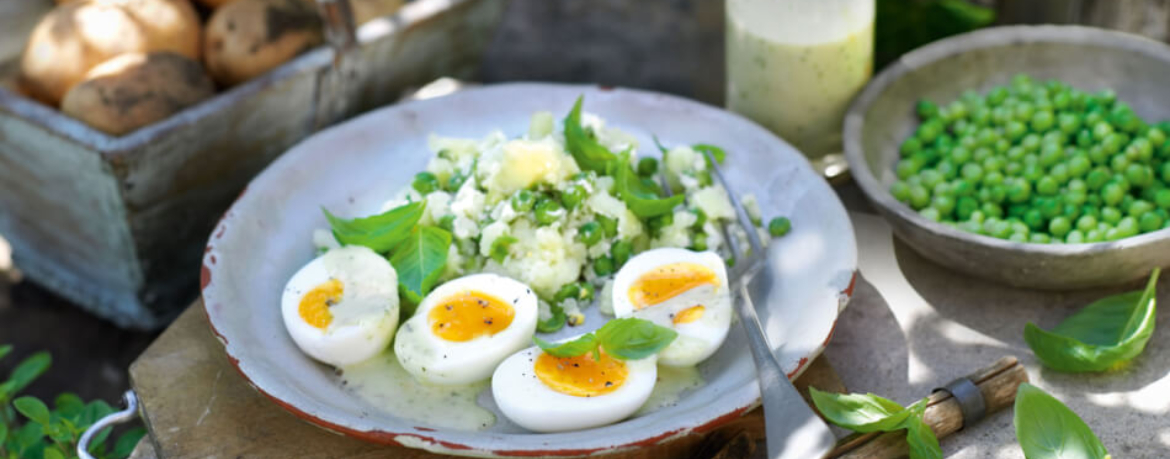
(913, 324)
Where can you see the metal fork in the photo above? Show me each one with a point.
(793, 430)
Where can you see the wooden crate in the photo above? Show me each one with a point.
(118, 224)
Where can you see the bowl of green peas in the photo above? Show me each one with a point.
(1037, 156)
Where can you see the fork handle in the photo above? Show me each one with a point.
(793, 430)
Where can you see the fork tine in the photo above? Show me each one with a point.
(757, 247)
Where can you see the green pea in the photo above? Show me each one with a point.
(1079, 165)
(1068, 123)
(1084, 138)
(590, 234)
(1034, 219)
(1097, 178)
(573, 196)
(991, 209)
(621, 252)
(609, 226)
(965, 206)
(1094, 236)
(929, 131)
(1150, 221)
(931, 177)
(972, 172)
(779, 226)
(919, 197)
(1162, 198)
(1039, 238)
(1059, 226)
(1128, 226)
(1112, 193)
(1042, 120)
(603, 266)
(1100, 130)
(699, 242)
(1086, 223)
(1139, 208)
(907, 168)
(567, 291)
(960, 155)
(1024, 112)
(1019, 191)
(1059, 172)
(947, 169)
(447, 222)
(931, 214)
(926, 109)
(1110, 215)
(523, 201)
(548, 211)
(944, 204)
(425, 183)
(649, 166)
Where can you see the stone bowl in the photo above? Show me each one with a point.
(883, 115)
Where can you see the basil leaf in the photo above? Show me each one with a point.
(858, 412)
(1107, 332)
(33, 409)
(28, 370)
(69, 405)
(920, 439)
(583, 345)
(632, 339)
(642, 200)
(588, 153)
(718, 153)
(52, 452)
(420, 260)
(554, 323)
(5, 350)
(382, 232)
(1047, 429)
(128, 441)
(3, 433)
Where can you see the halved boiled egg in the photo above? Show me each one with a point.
(544, 393)
(465, 327)
(342, 307)
(680, 289)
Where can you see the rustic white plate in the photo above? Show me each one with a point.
(352, 168)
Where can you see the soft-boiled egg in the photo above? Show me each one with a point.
(544, 393)
(342, 307)
(680, 289)
(465, 327)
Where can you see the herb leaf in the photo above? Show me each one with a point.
(1047, 429)
(626, 339)
(858, 412)
(554, 323)
(583, 345)
(382, 232)
(718, 153)
(922, 442)
(1107, 332)
(29, 369)
(420, 260)
(632, 339)
(33, 409)
(586, 150)
(642, 200)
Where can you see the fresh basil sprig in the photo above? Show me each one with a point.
(1047, 429)
(871, 413)
(379, 232)
(627, 339)
(420, 260)
(587, 151)
(642, 200)
(1107, 332)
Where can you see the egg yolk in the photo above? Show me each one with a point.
(688, 315)
(668, 281)
(314, 307)
(581, 376)
(469, 315)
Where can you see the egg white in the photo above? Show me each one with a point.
(363, 321)
(435, 360)
(696, 340)
(529, 403)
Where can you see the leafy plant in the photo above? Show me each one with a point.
(1108, 332)
(871, 413)
(1047, 429)
(51, 433)
(902, 25)
(627, 339)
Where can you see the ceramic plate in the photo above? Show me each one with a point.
(354, 167)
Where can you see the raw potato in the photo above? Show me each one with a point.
(246, 38)
(76, 36)
(134, 90)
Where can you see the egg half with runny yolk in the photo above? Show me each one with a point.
(342, 307)
(680, 289)
(465, 327)
(544, 393)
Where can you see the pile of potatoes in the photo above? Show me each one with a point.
(118, 65)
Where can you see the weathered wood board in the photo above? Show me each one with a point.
(117, 224)
(197, 406)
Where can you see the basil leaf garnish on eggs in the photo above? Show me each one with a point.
(382, 232)
(420, 260)
(1108, 332)
(1047, 429)
(627, 339)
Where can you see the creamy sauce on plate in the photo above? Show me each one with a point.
(384, 384)
(672, 382)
